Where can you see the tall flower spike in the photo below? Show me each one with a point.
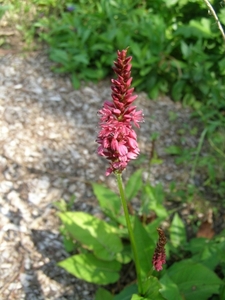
(117, 140)
(159, 257)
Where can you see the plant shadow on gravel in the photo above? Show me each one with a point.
(49, 245)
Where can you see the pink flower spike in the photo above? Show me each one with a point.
(117, 140)
(159, 257)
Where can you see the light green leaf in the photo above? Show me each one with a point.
(170, 2)
(133, 185)
(152, 199)
(204, 26)
(177, 231)
(60, 205)
(94, 233)
(108, 200)
(137, 297)
(89, 268)
(185, 49)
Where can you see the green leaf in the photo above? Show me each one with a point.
(108, 200)
(169, 289)
(68, 244)
(177, 90)
(59, 55)
(151, 288)
(222, 291)
(174, 150)
(95, 234)
(204, 26)
(137, 297)
(194, 280)
(125, 256)
(126, 293)
(151, 228)
(152, 200)
(170, 2)
(133, 185)
(145, 71)
(210, 253)
(154, 92)
(81, 58)
(185, 49)
(60, 205)
(145, 247)
(102, 294)
(75, 81)
(89, 268)
(177, 232)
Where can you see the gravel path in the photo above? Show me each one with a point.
(48, 152)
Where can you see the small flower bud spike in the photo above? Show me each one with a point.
(159, 257)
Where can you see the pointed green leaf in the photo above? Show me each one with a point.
(108, 200)
(177, 231)
(89, 268)
(102, 294)
(127, 292)
(152, 199)
(94, 233)
(151, 288)
(169, 289)
(145, 247)
(194, 280)
(133, 185)
(208, 252)
(60, 205)
(75, 81)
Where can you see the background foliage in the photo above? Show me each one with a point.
(176, 46)
(177, 50)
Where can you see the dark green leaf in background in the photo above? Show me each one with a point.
(127, 292)
(102, 294)
(145, 248)
(194, 280)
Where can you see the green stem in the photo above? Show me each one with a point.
(130, 232)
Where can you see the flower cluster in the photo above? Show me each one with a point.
(117, 139)
(159, 257)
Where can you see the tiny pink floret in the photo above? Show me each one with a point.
(117, 140)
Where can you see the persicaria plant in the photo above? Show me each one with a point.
(103, 250)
